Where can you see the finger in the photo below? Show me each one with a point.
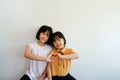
(49, 55)
(58, 54)
(54, 54)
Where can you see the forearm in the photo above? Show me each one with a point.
(49, 72)
(34, 57)
(70, 56)
(29, 55)
(43, 75)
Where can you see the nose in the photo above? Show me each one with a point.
(57, 42)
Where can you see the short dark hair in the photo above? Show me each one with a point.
(60, 35)
(45, 28)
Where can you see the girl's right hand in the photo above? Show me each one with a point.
(48, 58)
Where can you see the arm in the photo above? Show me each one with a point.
(49, 72)
(68, 56)
(44, 74)
(46, 71)
(29, 55)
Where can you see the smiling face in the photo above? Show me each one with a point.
(58, 42)
(43, 37)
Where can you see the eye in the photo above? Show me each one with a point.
(59, 39)
(46, 34)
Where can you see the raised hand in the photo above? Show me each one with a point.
(48, 58)
(60, 56)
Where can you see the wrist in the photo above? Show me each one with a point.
(45, 59)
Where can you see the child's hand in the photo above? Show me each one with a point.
(60, 56)
(48, 59)
(41, 78)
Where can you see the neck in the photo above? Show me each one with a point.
(60, 49)
(40, 43)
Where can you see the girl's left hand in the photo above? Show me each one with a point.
(59, 55)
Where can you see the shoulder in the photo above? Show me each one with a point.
(48, 46)
(68, 50)
(32, 44)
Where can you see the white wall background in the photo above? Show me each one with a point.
(91, 27)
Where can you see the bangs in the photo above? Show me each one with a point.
(56, 37)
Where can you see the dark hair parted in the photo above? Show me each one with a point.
(60, 35)
(45, 28)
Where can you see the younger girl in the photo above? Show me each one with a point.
(37, 54)
(62, 58)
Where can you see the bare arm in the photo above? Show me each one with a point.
(44, 74)
(69, 56)
(29, 55)
(49, 72)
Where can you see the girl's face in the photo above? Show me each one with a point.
(58, 43)
(43, 37)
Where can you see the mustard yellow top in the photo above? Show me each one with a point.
(61, 67)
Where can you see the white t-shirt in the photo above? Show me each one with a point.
(36, 68)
